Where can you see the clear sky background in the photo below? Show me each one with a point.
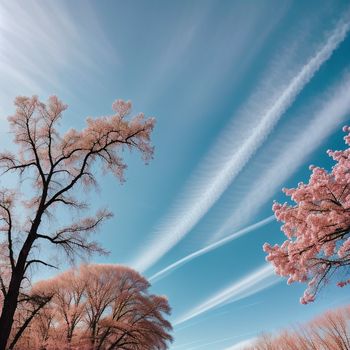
(246, 95)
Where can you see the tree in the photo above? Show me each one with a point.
(57, 165)
(99, 307)
(330, 331)
(317, 227)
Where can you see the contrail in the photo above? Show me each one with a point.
(242, 344)
(167, 270)
(197, 344)
(328, 116)
(178, 225)
(252, 283)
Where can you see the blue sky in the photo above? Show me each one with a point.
(246, 95)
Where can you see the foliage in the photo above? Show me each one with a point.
(330, 331)
(98, 307)
(317, 227)
(56, 165)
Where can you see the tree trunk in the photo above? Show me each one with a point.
(11, 298)
(25, 324)
(9, 307)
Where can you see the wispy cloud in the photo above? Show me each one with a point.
(41, 41)
(180, 50)
(198, 344)
(241, 344)
(172, 267)
(232, 153)
(252, 283)
(332, 110)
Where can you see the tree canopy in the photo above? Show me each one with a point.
(100, 307)
(317, 227)
(56, 166)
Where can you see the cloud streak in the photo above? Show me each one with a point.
(233, 155)
(326, 117)
(242, 344)
(202, 343)
(252, 283)
(40, 42)
(172, 267)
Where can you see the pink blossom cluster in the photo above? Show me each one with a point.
(102, 138)
(343, 283)
(316, 226)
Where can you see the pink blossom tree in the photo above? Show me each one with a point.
(317, 227)
(99, 307)
(56, 166)
(329, 331)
